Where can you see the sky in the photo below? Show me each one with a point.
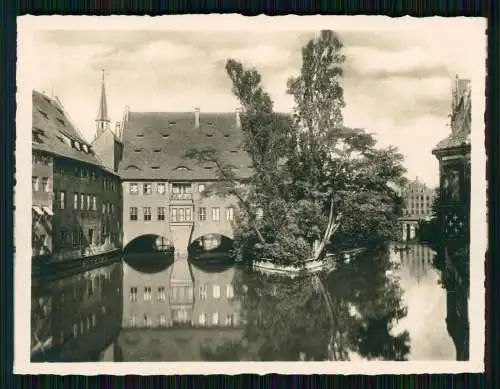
(397, 84)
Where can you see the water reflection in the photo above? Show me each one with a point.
(76, 317)
(384, 305)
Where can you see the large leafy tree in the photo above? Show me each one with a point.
(311, 175)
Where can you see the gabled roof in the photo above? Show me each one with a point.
(154, 145)
(55, 133)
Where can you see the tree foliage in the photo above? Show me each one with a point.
(314, 179)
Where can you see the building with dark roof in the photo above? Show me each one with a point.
(162, 189)
(76, 198)
(418, 199)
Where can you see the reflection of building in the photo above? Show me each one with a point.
(76, 200)
(207, 309)
(163, 189)
(418, 200)
(160, 300)
(453, 154)
(417, 260)
(81, 315)
(146, 298)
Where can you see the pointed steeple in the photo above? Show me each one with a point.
(102, 121)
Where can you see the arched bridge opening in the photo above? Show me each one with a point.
(211, 248)
(149, 253)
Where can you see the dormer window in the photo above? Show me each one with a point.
(208, 167)
(157, 150)
(85, 148)
(165, 136)
(61, 121)
(43, 113)
(140, 135)
(234, 152)
(210, 123)
(210, 135)
(137, 150)
(226, 135)
(171, 123)
(155, 167)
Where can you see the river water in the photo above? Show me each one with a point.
(382, 305)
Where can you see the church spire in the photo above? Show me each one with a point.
(102, 121)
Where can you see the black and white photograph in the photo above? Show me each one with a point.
(277, 193)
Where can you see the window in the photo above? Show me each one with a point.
(181, 191)
(202, 320)
(188, 215)
(201, 188)
(82, 201)
(75, 330)
(173, 215)
(94, 203)
(132, 321)
(147, 188)
(163, 320)
(215, 214)
(91, 236)
(216, 291)
(229, 291)
(133, 213)
(229, 320)
(62, 200)
(133, 293)
(63, 238)
(93, 320)
(34, 184)
(45, 184)
(134, 188)
(161, 213)
(230, 213)
(202, 213)
(147, 321)
(75, 236)
(160, 188)
(215, 318)
(203, 292)
(147, 293)
(181, 214)
(89, 202)
(147, 214)
(161, 293)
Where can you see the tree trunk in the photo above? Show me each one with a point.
(332, 226)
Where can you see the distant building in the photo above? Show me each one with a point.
(418, 199)
(76, 200)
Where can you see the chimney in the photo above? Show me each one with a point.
(196, 117)
(238, 119)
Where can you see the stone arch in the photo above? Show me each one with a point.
(210, 242)
(148, 243)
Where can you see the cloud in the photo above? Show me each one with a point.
(261, 56)
(397, 85)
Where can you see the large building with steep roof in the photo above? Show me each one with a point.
(76, 199)
(162, 189)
